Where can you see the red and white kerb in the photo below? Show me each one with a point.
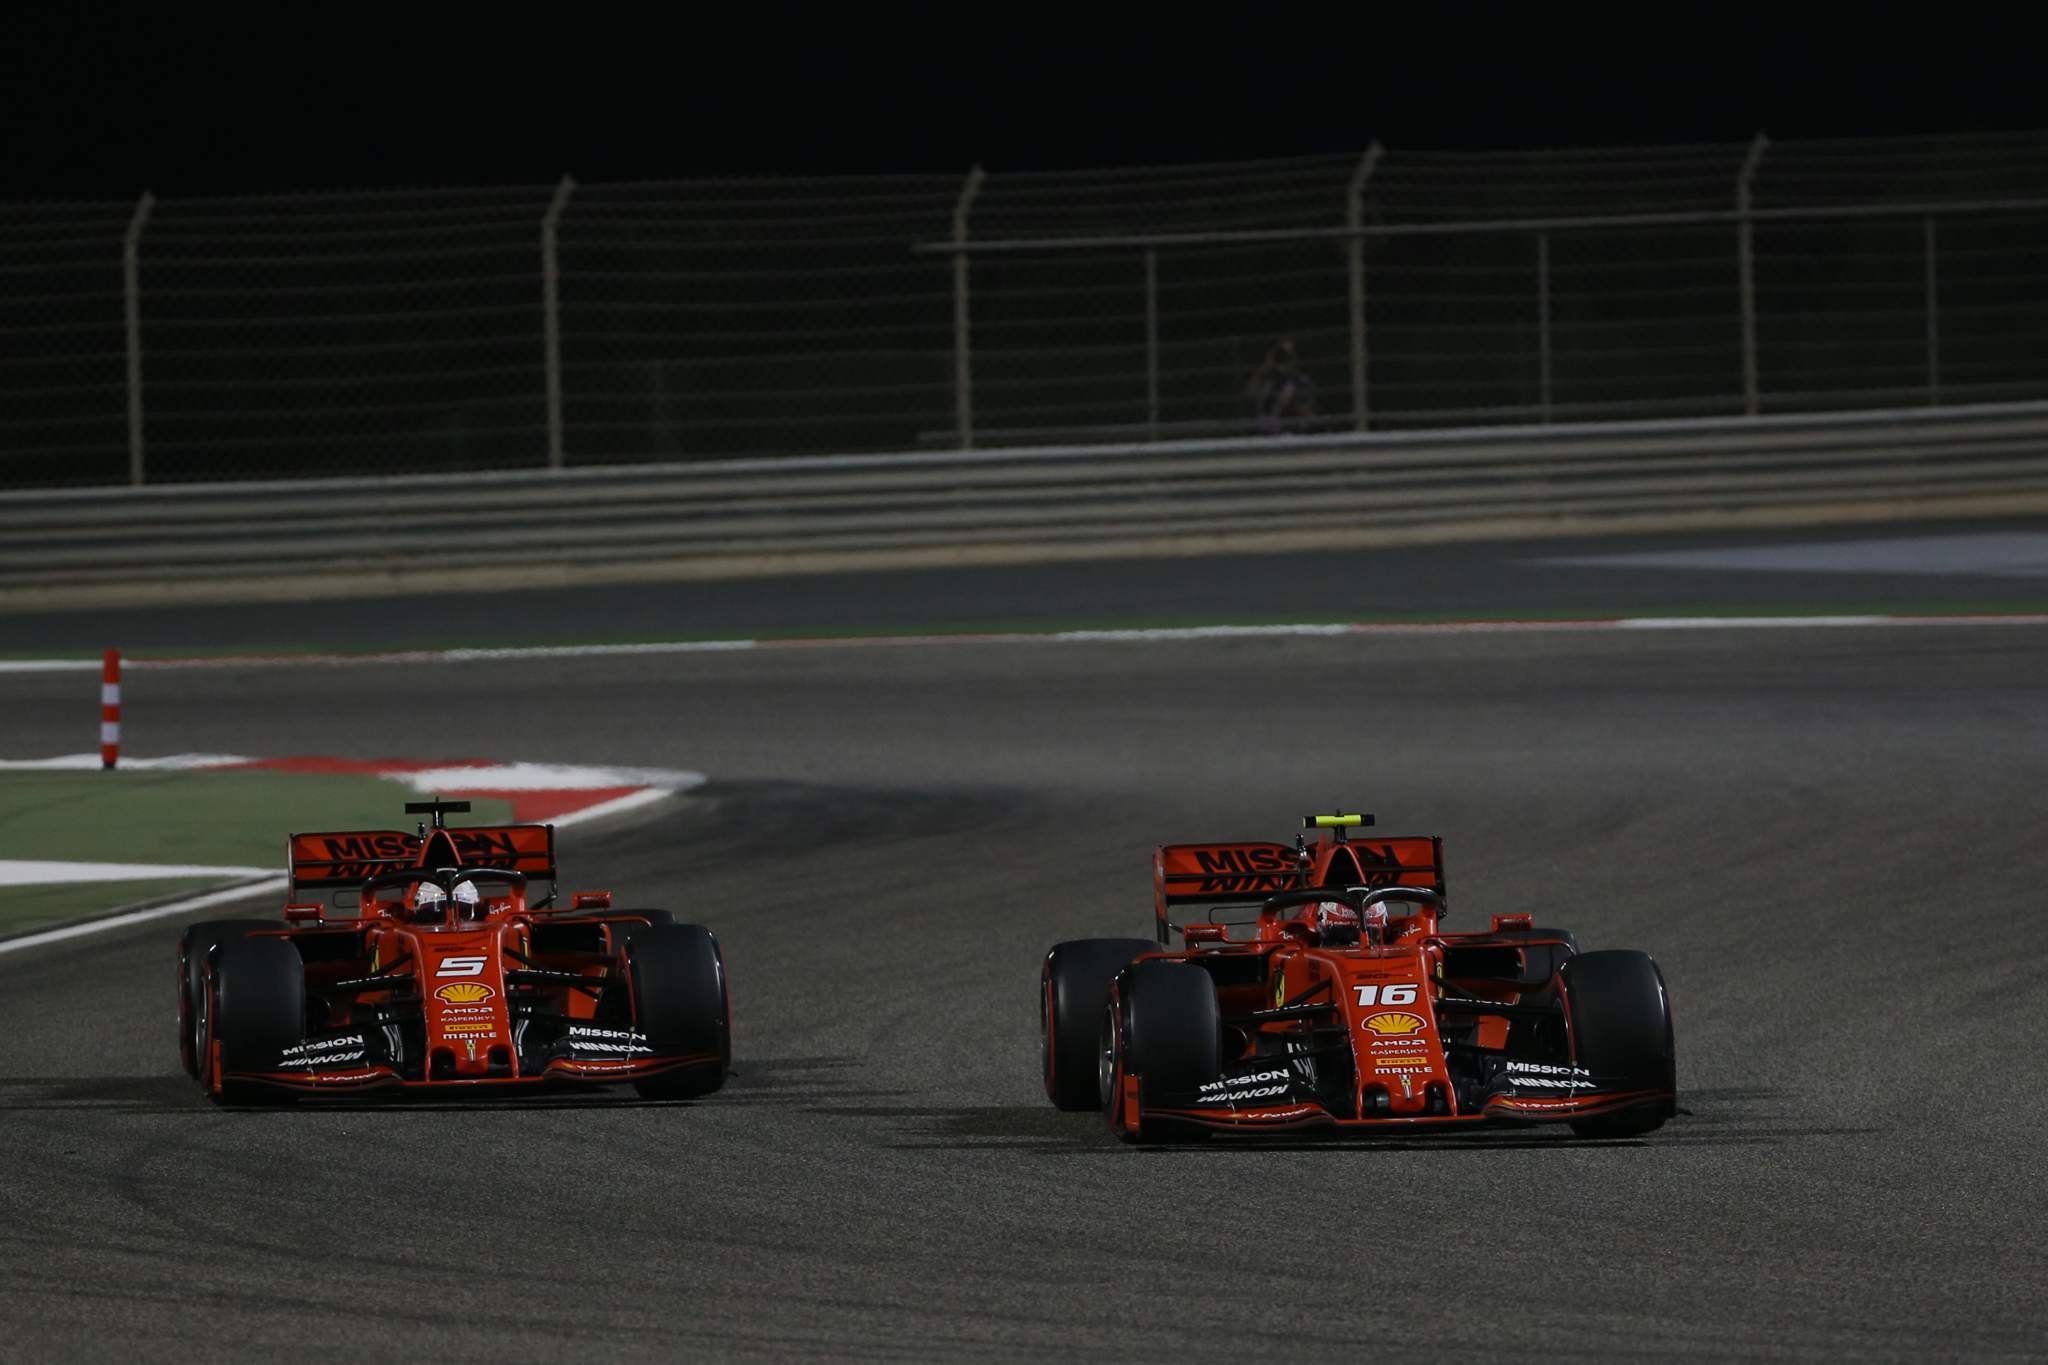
(110, 710)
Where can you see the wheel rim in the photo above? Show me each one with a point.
(1045, 1049)
(187, 1044)
(1105, 1066)
(202, 1034)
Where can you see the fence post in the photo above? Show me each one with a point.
(1543, 320)
(551, 313)
(1746, 265)
(131, 289)
(1354, 219)
(963, 365)
(1151, 343)
(1933, 317)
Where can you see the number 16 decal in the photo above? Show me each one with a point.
(1368, 996)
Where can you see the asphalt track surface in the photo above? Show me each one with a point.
(1506, 578)
(1830, 839)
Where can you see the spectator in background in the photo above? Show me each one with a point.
(1280, 389)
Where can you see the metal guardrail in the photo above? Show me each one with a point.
(273, 539)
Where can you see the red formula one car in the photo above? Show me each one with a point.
(429, 963)
(1342, 1005)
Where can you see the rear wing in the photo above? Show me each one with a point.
(341, 861)
(1196, 874)
(1403, 860)
(1190, 874)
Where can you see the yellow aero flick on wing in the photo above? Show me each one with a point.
(1335, 821)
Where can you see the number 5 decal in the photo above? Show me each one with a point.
(1368, 996)
(474, 966)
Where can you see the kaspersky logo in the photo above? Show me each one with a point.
(464, 993)
(1393, 1023)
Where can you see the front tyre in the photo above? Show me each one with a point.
(255, 1008)
(1073, 988)
(682, 1003)
(194, 947)
(1166, 1029)
(1621, 1032)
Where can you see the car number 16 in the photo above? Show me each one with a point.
(1368, 996)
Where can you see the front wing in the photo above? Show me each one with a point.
(352, 1062)
(1296, 1107)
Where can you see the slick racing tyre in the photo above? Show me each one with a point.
(196, 943)
(625, 925)
(255, 1008)
(1621, 1032)
(1542, 960)
(1073, 988)
(1167, 1030)
(682, 1004)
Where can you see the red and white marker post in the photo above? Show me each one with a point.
(110, 711)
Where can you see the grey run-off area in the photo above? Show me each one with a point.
(1830, 840)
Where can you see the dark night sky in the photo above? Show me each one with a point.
(97, 102)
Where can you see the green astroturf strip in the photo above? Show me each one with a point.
(23, 908)
(232, 818)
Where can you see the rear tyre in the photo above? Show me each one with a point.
(682, 1004)
(255, 1009)
(194, 945)
(1170, 1036)
(1073, 988)
(625, 926)
(1542, 961)
(1621, 1032)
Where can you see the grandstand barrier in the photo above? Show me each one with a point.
(355, 536)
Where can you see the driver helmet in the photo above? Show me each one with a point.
(1336, 923)
(1375, 926)
(468, 902)
(429, 903)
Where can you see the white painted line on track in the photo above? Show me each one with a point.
(554, 777)
(618, 805)
(679, 781)
(1158, 635)
(579, 651)
(91, 762)
(47, 665)
(1201, 632)
(49, 872)
(1756, 622)
(227, 894)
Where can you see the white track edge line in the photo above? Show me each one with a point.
(243, 891)
(618, 805)
(1155, 635)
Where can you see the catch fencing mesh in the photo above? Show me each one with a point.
(375, 332)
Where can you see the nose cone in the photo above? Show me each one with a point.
(467, 1013)
(1393, 1034)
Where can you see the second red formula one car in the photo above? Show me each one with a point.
(1342, 1004)
(426, 964)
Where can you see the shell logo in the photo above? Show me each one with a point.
(1392, 1024)
(464, 993)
